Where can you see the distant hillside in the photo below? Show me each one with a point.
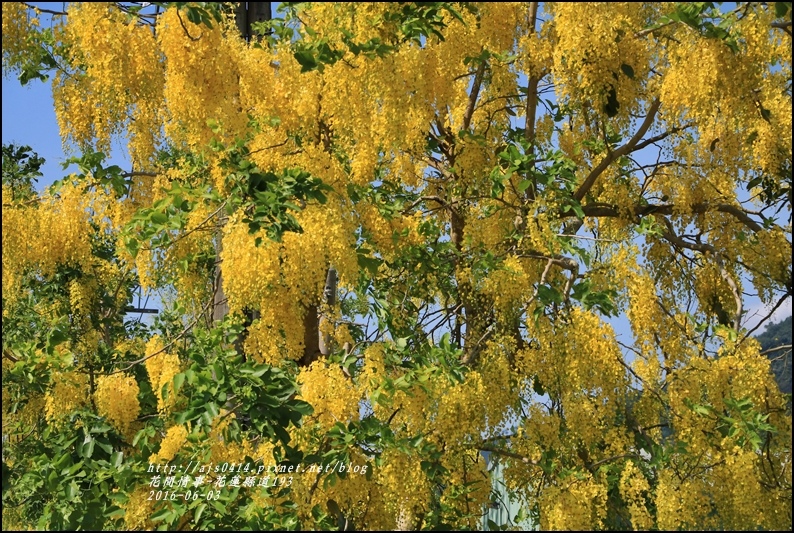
(779, 335)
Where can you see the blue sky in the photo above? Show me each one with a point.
(29, 119)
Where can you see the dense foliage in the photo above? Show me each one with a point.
(490, 183)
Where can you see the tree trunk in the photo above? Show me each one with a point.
(315, 344)
(245, 14)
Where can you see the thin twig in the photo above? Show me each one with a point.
(767, 317)
(198, 226)
(166, 347)
(506, 453)
(47, 11)
(772, 350)
(179, 16)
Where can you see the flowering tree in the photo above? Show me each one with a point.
(489, 183)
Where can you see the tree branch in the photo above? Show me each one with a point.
(506, 453)
(779, 348)
(602, 210)
(623, 150)
(47, 11)
(475, 92)
(532, 85)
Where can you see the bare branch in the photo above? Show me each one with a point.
(785, 26)
(532, 85)
(767, 317)
(134, 174)
(648, 31)
(43, 10)
(610, 459)
(779, 348)
(737, 296)
(558, 260)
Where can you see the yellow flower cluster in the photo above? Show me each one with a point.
(16, 29)
(223, 450)
(740, 373)
(405, 488)
(508, 285)
(711, 289)
(161, 369)
(357, 495)
(770, 255)
(69, 392)
(139, 509)
(732, 114)
(172, 442)
(201, 78)
(634, 489)
(575, 505)
(19, 423)
(580, 364)
(123, 70)
(81, 296)
(40, 238)
(284, 279)
(116, 399)
(588, 56)
(333, 395)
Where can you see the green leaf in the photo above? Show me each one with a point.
(523, 185)
(370, 264)
(199, 512)
(158, 217)
(162, 514)
(627, 70)
(179, 379)
(88, 448)
(306, 60)
(766, 114)
(537, 386)
(116, 458)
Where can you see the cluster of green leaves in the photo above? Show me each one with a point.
(66, 477)
(160, 224)
(90, 163)
(552, 175)
(776, 190)
(43, 55)
(261, 397)
(220, 378)
(739, 421)
(197, 12)
(60, 476)
(408, 22)
(21, 170)
(708, 19)
(267, 198)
